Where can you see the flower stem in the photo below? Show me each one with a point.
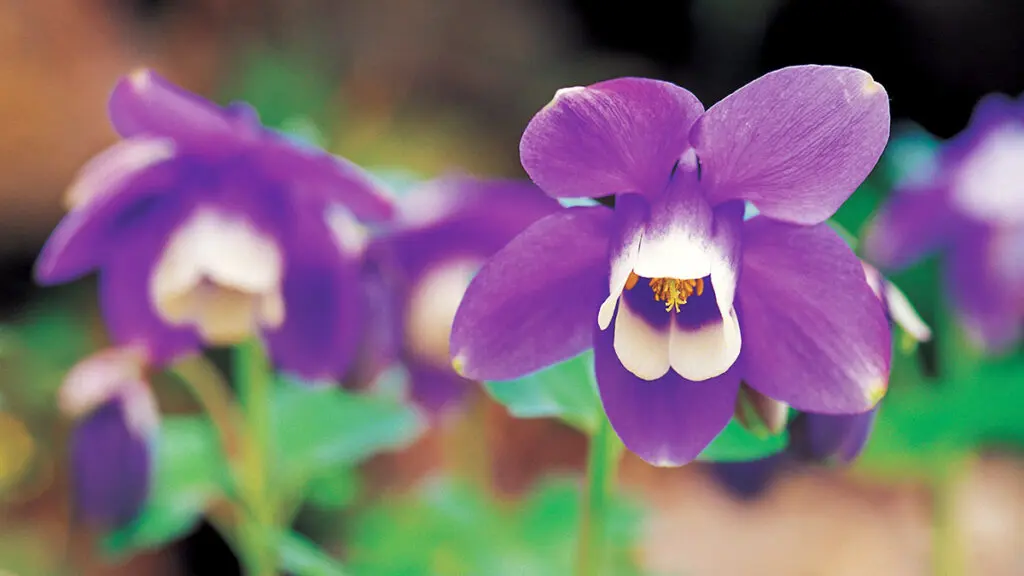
(602, 466)
(258, 531)
(213, 394)
(466, 443)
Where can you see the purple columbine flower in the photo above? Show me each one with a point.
(680, 298)
(419, 270)
(112, 440)
(817, 438)
(207, 228)
(971, 210)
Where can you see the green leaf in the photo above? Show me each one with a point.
(301, 557)
(189, 472)
(320, 429)
(333, 491)
(737, 444)
(566, 390)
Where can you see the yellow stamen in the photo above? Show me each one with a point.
(674, 293)
(632, 280)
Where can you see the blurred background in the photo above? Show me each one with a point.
(434, 85)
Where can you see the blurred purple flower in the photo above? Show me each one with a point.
(819, 438)
(663, 285)
(418, 271)
(112, 440)
(207, 228)
(971, 210)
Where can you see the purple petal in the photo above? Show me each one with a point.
(112, 170)
(914, 222)
(667, 421)
(435, 389)
(324, 305)
(796, 142)
(989, 303)
(631, 214)
(146, 104)
(621, 135)
(124, 287)
(822, 437)
(111, 465)
(748, 480)
(86, 237)
(676, 239)
(313, 172)
(535, 302)
(815, 336)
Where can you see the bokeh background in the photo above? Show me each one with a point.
(432, 85)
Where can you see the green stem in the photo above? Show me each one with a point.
(213, 394)
(602, 465)
(949, 558)
(258, 530)
(466, 443)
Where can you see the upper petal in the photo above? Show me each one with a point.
(621, 135)
(146, 104)
(815, 334)
(668, 421)
(533, 304)
(915, 221)
(631, 215)
(677, 240)
(796, 142)
(114, 168)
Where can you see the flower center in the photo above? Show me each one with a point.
(674, 293)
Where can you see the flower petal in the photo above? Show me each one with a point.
(435, 389)
(642, 333)
(704, 343)
(677, 239)
(111, 465)
(631, 215)
(313, 172)
(146, 104)
(323, 299)
(85, 237)
(129, 314)
(914, 222)
(114, 168)
(822, 437)
(988, 303)
(815, 336)
(533, 304)
(796, 142)
(621, 135)
(750, 479)
(668, 421)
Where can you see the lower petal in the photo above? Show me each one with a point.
(435, 389)
(324, 306)
(130, 315)
(815, 335)
(533, 304)
(668, 421)
(990, 306)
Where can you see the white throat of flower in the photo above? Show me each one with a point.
(990, 183)
(220, 275)
(432, 306)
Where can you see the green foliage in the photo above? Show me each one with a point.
(320, 431)
(449, 529)
(566, 391)
(301, 557)
(190, 473)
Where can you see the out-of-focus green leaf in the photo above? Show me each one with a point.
(282, 87)
(448, 529)
(737, 444)
(319, 429)
(190, 471)
(333, 491)
(301, 557)
(566, 390)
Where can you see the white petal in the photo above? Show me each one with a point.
(432, 306)
(674, 253)
(990, 183)
(98, 378)
(642, 349)
(902, 312)
(350, 235)
(706, 352)
(114, 166)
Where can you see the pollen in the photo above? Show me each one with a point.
(674, 293)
